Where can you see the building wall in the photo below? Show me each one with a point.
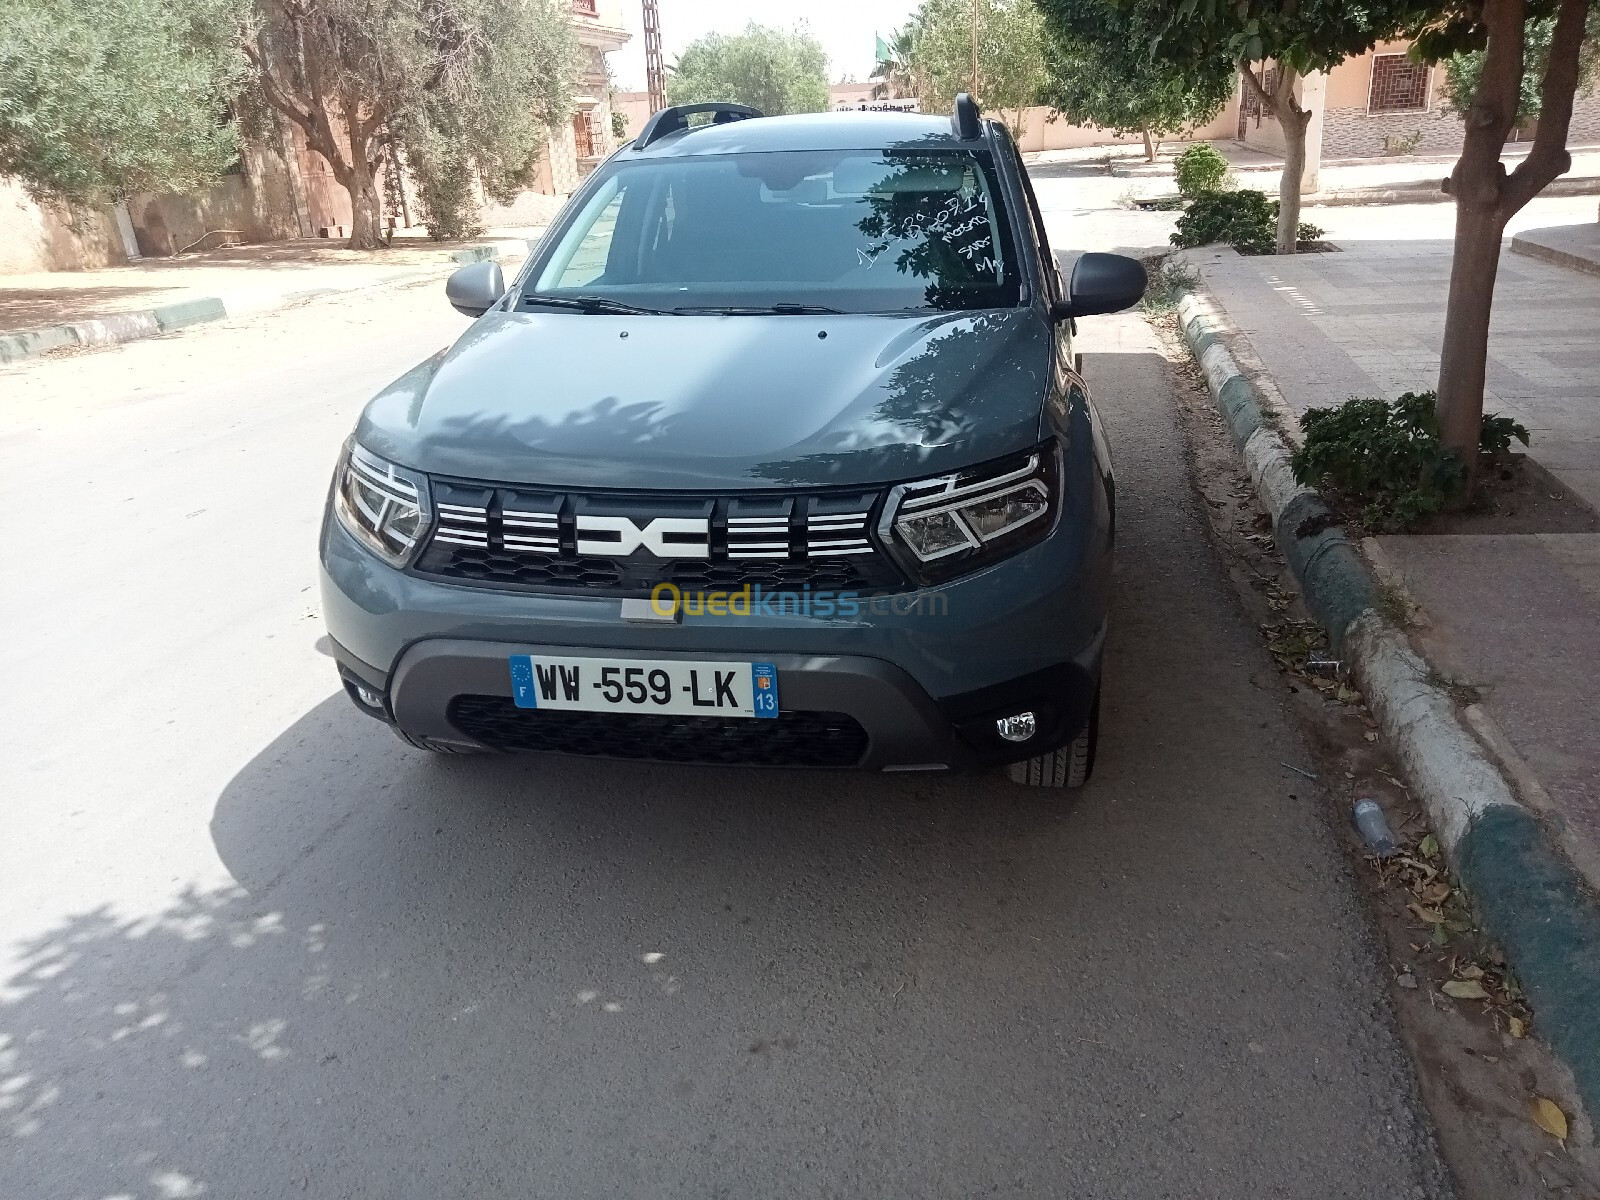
(39, 238)
(599, 32)
(255, 205)
(1351, 130)
(1039, 132)
(635, 107)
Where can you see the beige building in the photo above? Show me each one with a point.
(1382, 103)
(577, 148)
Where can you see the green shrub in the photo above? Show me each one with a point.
(1386, 455)
(1200, 169)
(1244, 219)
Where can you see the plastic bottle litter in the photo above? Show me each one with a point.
(1374, 827)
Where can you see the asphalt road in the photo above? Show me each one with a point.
(251, 946)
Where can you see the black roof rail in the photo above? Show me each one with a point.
(966, 121)
(671, 120)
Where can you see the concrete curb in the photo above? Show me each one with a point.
(1530, 898)
(1562, 258)
(143, 323)
(1423, 191)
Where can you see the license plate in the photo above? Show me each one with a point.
(626, 685)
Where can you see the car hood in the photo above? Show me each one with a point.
(699, 402)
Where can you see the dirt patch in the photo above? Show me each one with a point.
(1481, 1069)
(1519, 496)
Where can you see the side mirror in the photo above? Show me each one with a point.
(473, 289)
(1102, 283)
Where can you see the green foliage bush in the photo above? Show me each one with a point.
(1200, 169)
(1386, 455)
(1245, 219)
(103, 98)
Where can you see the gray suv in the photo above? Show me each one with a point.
(774, 452)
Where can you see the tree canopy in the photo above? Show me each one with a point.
(465, 87)
(775, 70)
(1011, 68)
(1464, 70)
(1099, 73)
(103, 98)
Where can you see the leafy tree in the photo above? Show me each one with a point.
(1011, 62)
(1309, 35)
(895, 68)
(1100, 74)
(775, 70)
(1486, 195)
(465, 86)
(1463, 71)
(103, 98)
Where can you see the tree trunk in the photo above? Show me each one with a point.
(1292, 119)
(1464, 356)
(1294, 167)
(1149, 147)
(365, 219)
(1486, 198)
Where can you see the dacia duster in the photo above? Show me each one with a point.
(774, 452)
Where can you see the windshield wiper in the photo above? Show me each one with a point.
(590, 304)
(783, 308)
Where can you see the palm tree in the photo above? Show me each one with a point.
(897, 72)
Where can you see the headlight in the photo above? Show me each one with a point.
(960, 522)
(383, 505)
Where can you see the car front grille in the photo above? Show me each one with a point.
(793, 739)
(627, 544)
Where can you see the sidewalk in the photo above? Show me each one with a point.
(43, 311)
(1347, 177)
(1513, 611)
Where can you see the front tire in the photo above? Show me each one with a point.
(1067, 767)
(431, 746)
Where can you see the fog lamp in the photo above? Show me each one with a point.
(1017, 728)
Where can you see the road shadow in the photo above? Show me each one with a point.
(518, 977)
(391, 907)
(29, 308)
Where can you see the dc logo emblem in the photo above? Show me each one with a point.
(665, 537)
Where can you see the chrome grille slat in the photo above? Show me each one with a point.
(533, 539)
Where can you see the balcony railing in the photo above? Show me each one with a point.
(585, 8)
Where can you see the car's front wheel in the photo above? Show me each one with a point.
(431, 746)
(1068, 767)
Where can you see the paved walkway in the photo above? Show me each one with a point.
(1369, 321)
(1517, 616)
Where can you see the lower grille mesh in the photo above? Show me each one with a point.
(794, 739)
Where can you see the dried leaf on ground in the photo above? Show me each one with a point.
(1517, 1027)
(1547, 1115)
(1465, 989)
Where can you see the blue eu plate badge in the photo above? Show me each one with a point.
(764, 689)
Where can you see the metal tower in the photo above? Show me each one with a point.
(655, 71)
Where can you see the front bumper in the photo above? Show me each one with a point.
(440, 690)
(924, 674)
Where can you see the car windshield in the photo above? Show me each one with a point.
(791, 231)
